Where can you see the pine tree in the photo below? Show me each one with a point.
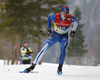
(77, 48)
(25, 18)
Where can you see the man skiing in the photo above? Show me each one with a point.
(62, 22)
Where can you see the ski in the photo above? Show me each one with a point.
(26, 72)
(21, 72)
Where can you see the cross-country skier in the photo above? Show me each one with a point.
(62, 22)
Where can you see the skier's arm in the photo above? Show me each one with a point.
(30, 51)
(51, 18)
(23, 52)
(76, 21)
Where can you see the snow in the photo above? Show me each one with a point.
(48, 71)
(1, 62)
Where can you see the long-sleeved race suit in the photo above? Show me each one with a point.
(59, 34)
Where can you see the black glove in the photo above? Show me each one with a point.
(49, 31)
(26, 55)
(72, 33)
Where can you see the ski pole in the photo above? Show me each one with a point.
(74, 36)
(43, 31)
(78, 39)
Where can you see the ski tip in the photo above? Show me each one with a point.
(20, 71)
(25, 71)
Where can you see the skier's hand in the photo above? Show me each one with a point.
(26, 55)
(72, 33)
(49, 31)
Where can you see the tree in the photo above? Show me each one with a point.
(25, 18)
(77, 48)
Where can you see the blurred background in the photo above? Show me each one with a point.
(22, 20)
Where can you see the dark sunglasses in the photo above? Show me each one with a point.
(65, 12)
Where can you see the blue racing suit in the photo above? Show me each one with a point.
(59, 34)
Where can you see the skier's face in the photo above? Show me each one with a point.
(25, 44)
(64, 14)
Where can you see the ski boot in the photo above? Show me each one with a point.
(59, 70)
(27, 70)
